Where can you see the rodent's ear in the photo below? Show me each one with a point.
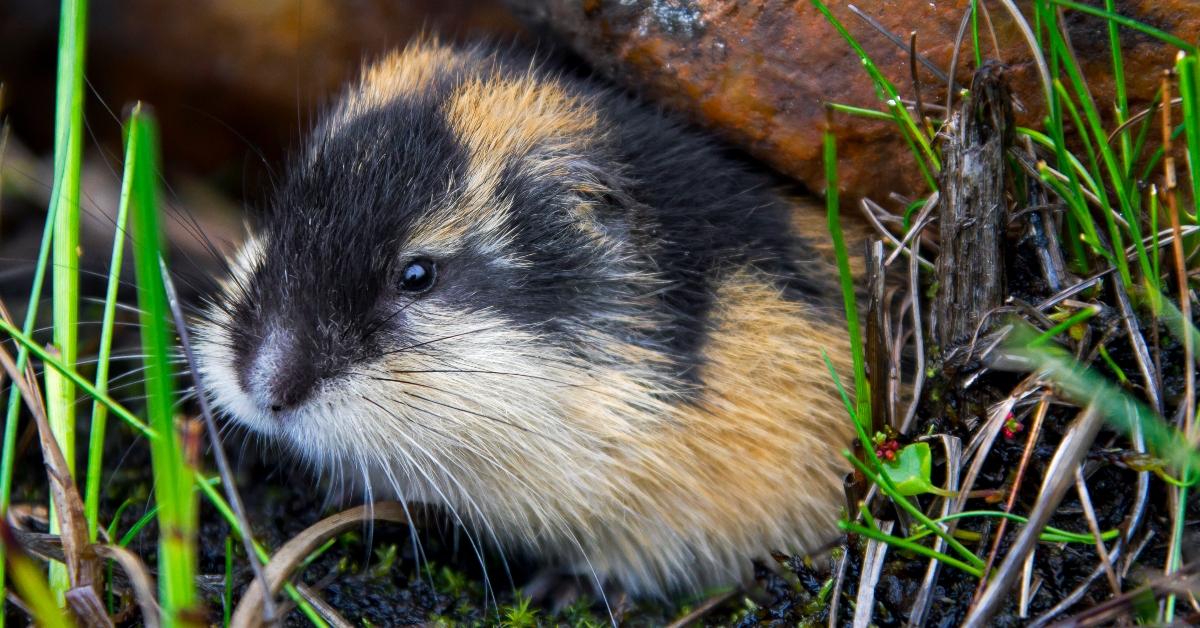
(599, 203)
(588, 192)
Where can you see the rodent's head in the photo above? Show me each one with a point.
(445, 263)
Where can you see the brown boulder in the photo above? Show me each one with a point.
(759, 71)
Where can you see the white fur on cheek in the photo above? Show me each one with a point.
(215, 351)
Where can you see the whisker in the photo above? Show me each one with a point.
(449, 476)
(435, 340)
(464, 410)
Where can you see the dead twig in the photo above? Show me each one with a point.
(1031, 439)
(882, 412)
(914, 285)
(900, 43)
(872, 568)
(82, 566)
(1089, 514)
(953, 448)
(285, 561)
(704, 608)
(839, 578)
(1107, 612)
(1058, 479)
(139, 579)
(970, 267)
(918, 225)
(951, 92)
(870, 210)
(916, 81)
(981, 443)
(1181, 279)
(328, 613)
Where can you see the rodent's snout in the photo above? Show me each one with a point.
(279, 376)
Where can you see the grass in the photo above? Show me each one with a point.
(42, 603)
(172, 471)
(175, 479)
(68, 148)
(99, 427)
(1097, 168)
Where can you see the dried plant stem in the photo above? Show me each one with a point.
(1089, 512)
(285, 561)
(1178, 494)
(1039, 416)
(1058, 479)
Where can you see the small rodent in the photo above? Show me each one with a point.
(571, 320)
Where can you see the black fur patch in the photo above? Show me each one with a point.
(333, 231)
(689, 213)
(706, 216)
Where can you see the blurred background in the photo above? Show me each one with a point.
(233, 84)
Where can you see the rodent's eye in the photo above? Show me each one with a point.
(418, 275)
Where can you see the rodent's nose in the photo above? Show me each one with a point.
(280, 376)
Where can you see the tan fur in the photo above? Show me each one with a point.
(405, 71)
(595, 468)
(753, 465)
(809, 220)
(501, 119)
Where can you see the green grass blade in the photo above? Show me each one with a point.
(177, 514)
(904, 544)
(1050, 534)
(68, 149)
(886, 485)
(13, 412)
(50, 360)
(1073, 195)
(860, 111)
(917, 143)
(917, 140)
(1097, 144)
(218, 502)
(1152, 164)
(1121, 410)
(1122, 190)
(27, 578)
(1143, 134)
(846, 278)
(138, 526)
(1189, 91)
(1085, 178)
(1075, 319)
(975, 34)
(91, 505)
(1129, 23)
(1122, 104)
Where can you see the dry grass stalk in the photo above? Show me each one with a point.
(83, 568)
(285, 561)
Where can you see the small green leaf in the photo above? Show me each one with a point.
(911, 471)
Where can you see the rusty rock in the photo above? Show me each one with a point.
(759, 71)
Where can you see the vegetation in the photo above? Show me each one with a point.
(1128, 242)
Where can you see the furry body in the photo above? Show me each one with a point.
(618, 364)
